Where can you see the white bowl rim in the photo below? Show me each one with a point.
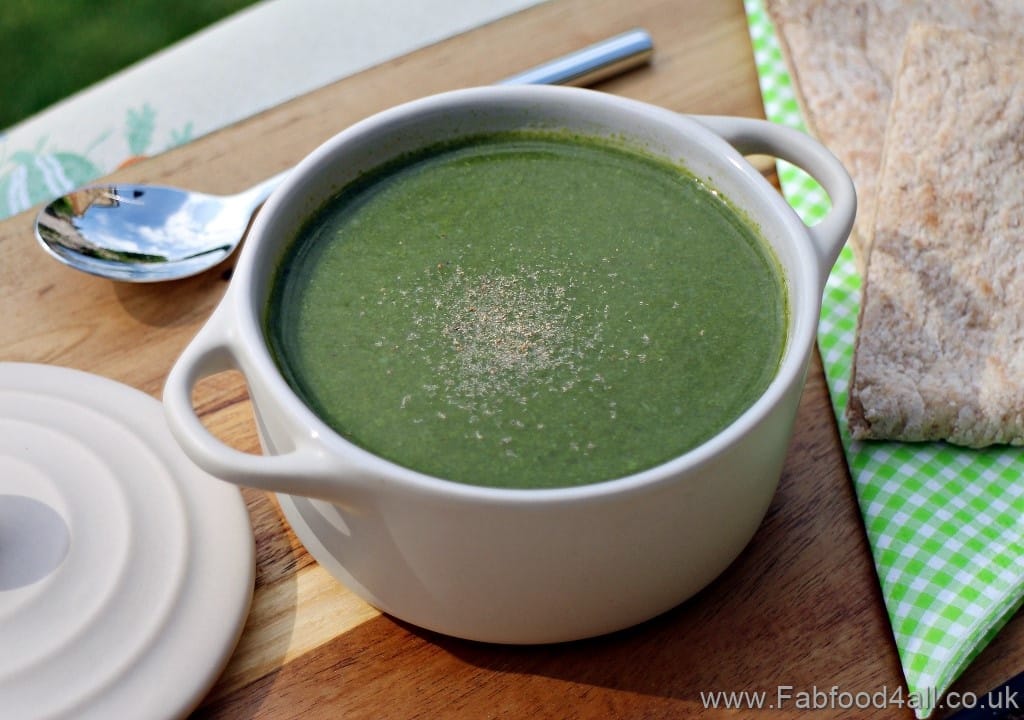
(804, 309)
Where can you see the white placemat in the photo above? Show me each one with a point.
(256, 59)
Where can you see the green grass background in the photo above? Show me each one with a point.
(50, 49)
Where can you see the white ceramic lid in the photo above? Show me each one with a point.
(126, 572)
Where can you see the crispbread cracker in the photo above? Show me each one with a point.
(940, 345)
(842, 56)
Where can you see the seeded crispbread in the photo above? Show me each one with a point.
(940, 344)
(842, 56)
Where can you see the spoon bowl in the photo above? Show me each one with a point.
(149, 233)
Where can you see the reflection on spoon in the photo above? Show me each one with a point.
(147, 233)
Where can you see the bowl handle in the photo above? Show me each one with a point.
(750, 136)
(303, 470)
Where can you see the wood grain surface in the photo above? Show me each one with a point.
(800, 607)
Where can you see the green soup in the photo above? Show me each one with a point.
(528, 310)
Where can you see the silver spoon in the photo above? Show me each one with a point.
(148, 233)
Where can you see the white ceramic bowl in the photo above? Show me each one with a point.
(506, 565)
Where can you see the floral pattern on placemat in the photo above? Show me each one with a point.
(47, 171)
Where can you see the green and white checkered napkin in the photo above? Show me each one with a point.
(946, 524)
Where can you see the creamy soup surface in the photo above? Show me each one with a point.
(528, 310)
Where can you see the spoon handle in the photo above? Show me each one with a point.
(600, 61)
(592, 64)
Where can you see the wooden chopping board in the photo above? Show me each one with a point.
(801, 606)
